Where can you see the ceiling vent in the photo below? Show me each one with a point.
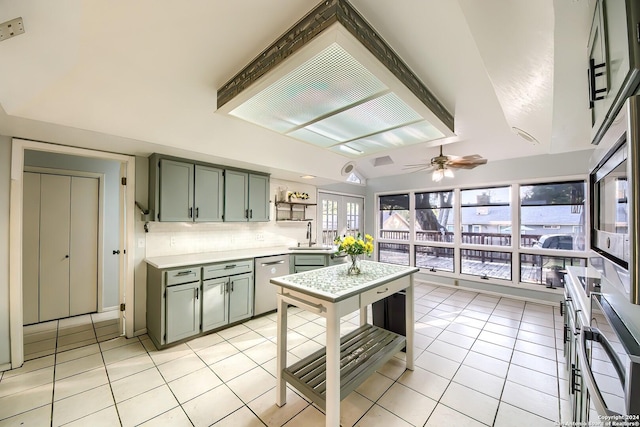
(382, 161)
(331, 81)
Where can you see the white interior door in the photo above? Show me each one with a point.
(55, 199)
(83, 246)
(30, 248)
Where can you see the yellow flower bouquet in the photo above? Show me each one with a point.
(354, 246)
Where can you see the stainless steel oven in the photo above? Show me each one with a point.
(609, 358)
(615, 194)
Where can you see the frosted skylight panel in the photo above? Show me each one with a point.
(312, 138)
(376, 115)
(328, 82)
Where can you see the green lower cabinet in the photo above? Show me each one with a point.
(183, 311)
(226, 300)
(240, 297)
(215, 302)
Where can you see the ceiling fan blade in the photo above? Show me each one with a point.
(418, 168)
(463, 163)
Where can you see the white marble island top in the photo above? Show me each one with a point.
(334, 284)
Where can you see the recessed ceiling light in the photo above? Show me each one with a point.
(307, 176)
(525, 135)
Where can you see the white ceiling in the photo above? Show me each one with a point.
(138, 77)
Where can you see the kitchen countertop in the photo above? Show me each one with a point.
(334, 284)
(184, 260)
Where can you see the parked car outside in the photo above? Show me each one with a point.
(555, 241)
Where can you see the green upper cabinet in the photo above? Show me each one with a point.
(614, 60)
(258, 198)
(176, 191)
(246, 196)
(181, 190)
(209, 194)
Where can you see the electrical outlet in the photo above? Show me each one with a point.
(172, 242)
(260, 236)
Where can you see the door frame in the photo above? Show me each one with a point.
(101, 193)
(341, 209)
(127, 235)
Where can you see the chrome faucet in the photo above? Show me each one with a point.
(309, 234)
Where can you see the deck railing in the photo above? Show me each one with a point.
(494, 239)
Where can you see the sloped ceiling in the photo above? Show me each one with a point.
(138, 77)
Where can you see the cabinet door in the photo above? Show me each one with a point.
(598, 77)
(176, 191)
(215, 297)
(240, 297)
(258, 198)
(55, 200)
(209, 191)
(183, 311)
(236, 186)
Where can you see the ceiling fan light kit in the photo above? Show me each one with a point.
(442, 165)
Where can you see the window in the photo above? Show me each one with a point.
(434, 258)
(393, 253)
(486, 264)
(486, 216)
(394, 217)
(552, 216)
(546, 270)
(434, 216)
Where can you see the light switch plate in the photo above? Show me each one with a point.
(11, 28)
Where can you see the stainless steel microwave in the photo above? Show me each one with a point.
(615, 195)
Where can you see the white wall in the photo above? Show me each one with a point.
(5, 185)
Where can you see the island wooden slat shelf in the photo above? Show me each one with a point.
(362, 352)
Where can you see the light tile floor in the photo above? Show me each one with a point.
(480, 360)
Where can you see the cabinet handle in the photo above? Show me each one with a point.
(250, 213)
(197, 293)
(184, 273)
(190, 212)
(246, 213)
(382, 292)
(229, 266)
(594, 94)
(566, 334)
(197, 212)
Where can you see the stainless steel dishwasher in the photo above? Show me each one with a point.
(265, 292)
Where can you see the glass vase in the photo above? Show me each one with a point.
(354, 267)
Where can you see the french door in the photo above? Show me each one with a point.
(339, 215)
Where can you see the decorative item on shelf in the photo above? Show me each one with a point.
(354, 247)
(297, 195)
(283, 193)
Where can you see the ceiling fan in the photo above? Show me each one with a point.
(442, 165)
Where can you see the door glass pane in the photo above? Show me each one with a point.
(329, 221)
(353, 218)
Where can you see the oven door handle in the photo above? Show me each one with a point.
(592, 334)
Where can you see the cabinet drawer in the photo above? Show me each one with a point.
(309, 260)
(230, 268)
(183, 275)
(383, 291)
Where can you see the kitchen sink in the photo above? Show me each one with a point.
(312, 248)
